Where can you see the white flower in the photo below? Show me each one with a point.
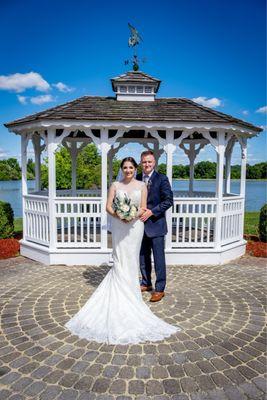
(132, 212)
(125, 208)
(120, 214)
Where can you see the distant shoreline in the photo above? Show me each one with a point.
(174, 179)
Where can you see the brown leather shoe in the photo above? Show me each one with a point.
(157, 296)
(146, 288)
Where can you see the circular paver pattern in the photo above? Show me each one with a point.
(219, 354)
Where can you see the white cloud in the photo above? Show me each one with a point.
(3, 154)
(20, 82)
(46, 98)
(262, 110)
(204, 101)
(22, 99)
(62, 87)
(245, 112)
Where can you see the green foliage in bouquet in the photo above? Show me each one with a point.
(124, 208)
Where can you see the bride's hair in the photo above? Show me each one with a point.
(131, 160)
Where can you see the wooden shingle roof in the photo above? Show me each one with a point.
(108, 108)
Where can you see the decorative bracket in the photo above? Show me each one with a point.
(104, 139)
(213, 142)
(243, 143)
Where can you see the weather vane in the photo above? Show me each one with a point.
(133, 41)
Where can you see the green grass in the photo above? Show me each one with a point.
(17, 225)
(251, 223)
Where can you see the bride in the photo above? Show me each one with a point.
(116, 312)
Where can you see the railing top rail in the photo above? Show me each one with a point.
(196, 199)
(35, 196)
(78, 199)
(236, 197)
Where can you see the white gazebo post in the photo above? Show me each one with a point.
(36, 141)
(243, 143)
(104, 148)
(51, 149)
(111, 154)
(24, 188)
(169, 148)
(227, 184)
(228, 156)
(73, 153)
(192, 157)
(219, 186)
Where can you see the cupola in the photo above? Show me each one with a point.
(135, 86)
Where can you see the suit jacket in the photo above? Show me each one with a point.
(159, 199)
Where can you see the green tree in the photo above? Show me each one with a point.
(30, 169)
(89, 168)
(180, 171)
(235, 171)
(162, 168)
(63, 170)
(9, 169)
(205, 170)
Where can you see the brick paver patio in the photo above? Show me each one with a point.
(218, 355)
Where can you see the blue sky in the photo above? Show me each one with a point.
(199, 49)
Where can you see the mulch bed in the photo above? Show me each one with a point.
(256, 248)
(9, 248)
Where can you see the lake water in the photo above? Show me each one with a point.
(256, 192)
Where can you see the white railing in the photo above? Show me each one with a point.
(72, 193)
(78, 222)
(193, 222)
(195, 194)
(232, 219)
(36, 219)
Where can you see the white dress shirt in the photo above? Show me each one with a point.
(149, 176)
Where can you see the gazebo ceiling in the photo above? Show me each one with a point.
(95, 108)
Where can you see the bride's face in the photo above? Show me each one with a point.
(128, 170)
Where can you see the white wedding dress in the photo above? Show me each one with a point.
(116, 312)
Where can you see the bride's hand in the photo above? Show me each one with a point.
(141, 211)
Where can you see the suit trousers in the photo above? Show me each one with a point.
(156, 245)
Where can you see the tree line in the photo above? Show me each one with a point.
(89, 169)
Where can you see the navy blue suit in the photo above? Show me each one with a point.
(159, 199)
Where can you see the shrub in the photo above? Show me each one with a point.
(263, 224)
(6, 220)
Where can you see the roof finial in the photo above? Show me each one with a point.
(133, 41)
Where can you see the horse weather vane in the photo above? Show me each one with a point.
(133, 41)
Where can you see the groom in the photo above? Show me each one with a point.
(159, 199)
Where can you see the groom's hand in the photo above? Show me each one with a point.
(147, 214)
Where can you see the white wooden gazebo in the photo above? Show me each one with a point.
(70, 226)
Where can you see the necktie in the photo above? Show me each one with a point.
(146, 178)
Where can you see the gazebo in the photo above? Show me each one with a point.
(70, 226)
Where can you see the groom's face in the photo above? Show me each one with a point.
(148, 163)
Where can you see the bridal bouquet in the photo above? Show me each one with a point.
(124, 208)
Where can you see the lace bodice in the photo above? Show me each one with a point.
(133, 191)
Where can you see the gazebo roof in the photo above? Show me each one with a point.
(108, 108)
